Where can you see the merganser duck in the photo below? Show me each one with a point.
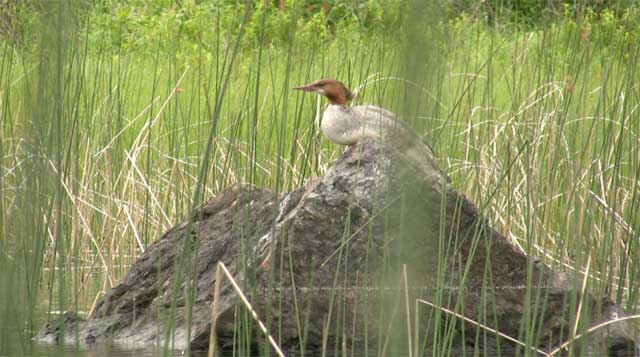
(345, 125)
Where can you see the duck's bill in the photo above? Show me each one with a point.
(308, 88)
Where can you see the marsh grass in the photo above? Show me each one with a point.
(105, 149)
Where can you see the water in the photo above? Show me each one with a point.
(20, 319)
(17, 343)
(19, 322)
(14, 342)
(33, 349)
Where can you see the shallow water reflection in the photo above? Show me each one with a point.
(98, 350)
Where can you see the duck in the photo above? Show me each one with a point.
(344, 124)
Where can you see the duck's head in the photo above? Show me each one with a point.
(333, 89)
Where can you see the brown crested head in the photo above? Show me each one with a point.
(333, 89)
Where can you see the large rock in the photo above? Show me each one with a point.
(323, 266)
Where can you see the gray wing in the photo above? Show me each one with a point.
(373, 115)
(376, 116)
(377, 111)
(371, 112)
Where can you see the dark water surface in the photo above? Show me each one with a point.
(17, 342)
(14, 343)
(22, 316)
(20, 321)
(34, 349)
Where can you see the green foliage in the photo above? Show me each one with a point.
(186, 28)
(16, 17)
(528, 13)
(614, 33)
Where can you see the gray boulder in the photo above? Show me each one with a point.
(323, 267)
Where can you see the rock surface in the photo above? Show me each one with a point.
(323, 266)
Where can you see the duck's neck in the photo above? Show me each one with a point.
(338, 106)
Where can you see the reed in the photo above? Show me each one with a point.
(107, 142)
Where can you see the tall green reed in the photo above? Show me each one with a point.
(104, 149)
